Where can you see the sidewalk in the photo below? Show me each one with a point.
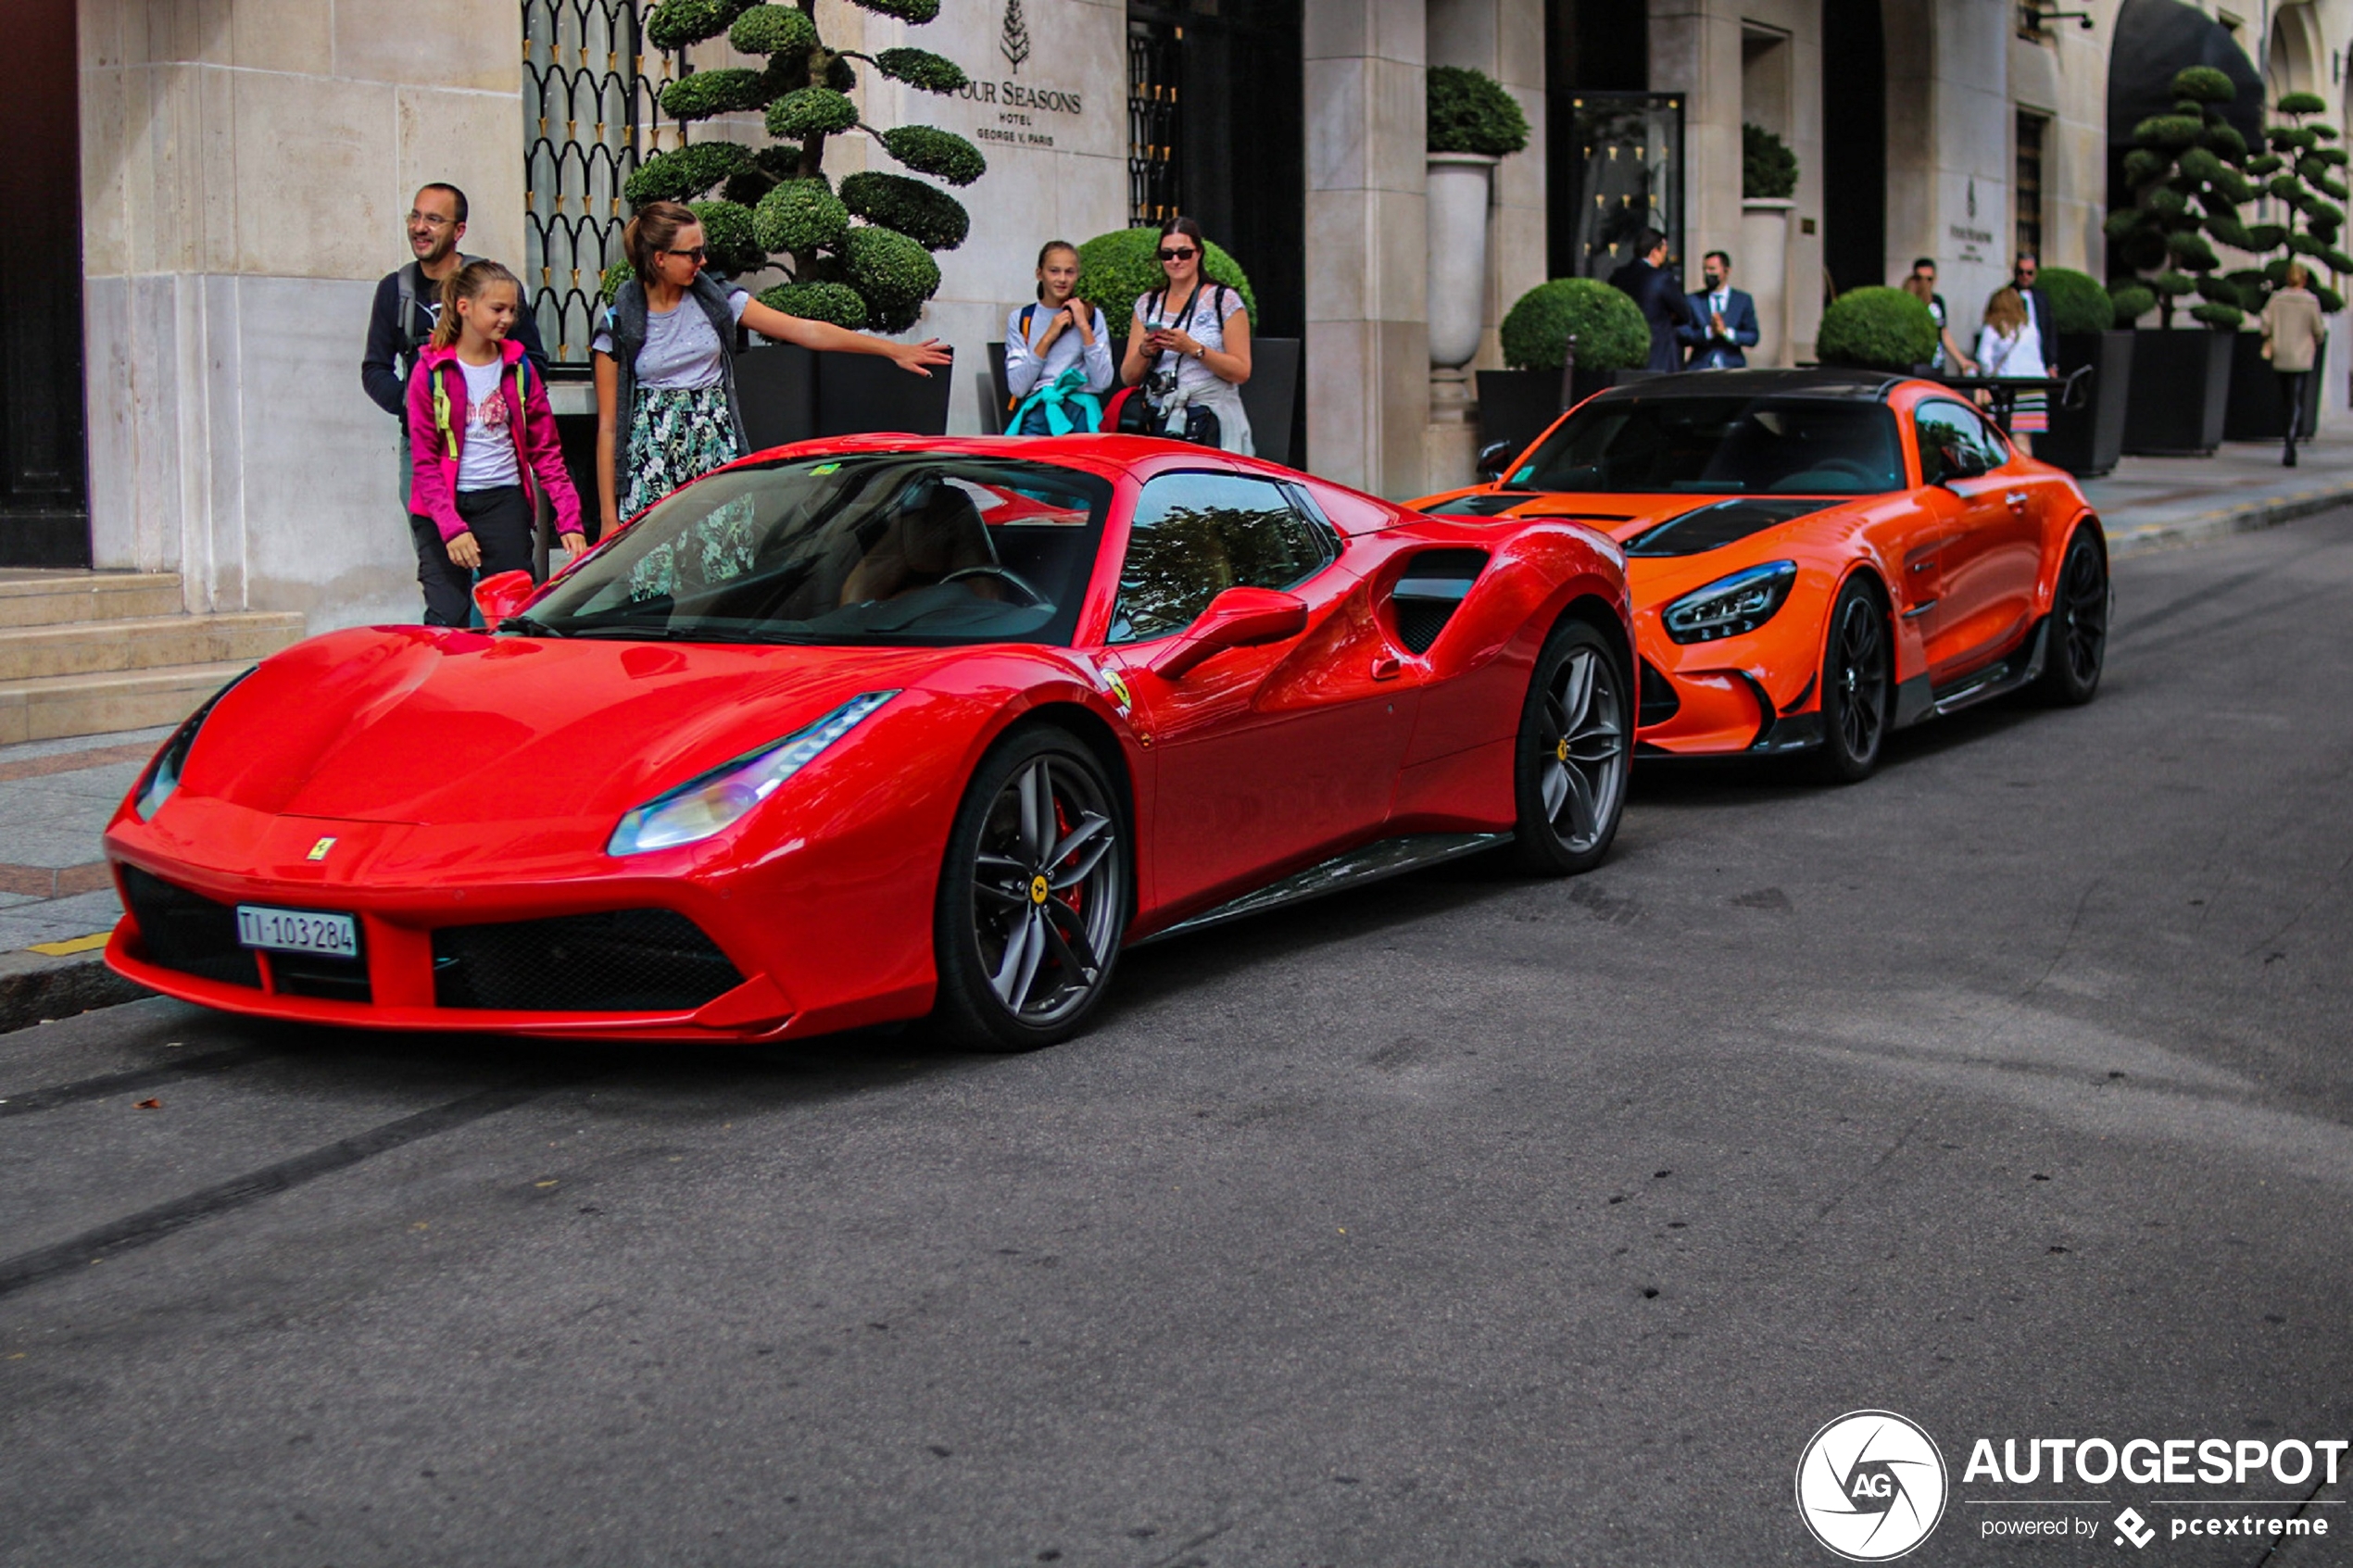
(58, 902)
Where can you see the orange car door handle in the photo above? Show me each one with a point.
(2017, 498)
(1385, 667)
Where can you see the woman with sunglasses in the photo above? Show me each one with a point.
(668, 365)
(1190, 344)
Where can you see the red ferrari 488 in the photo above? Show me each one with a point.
(869, 729)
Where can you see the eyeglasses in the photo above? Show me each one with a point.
(698, 255)
(431, 220)
(1178, 253)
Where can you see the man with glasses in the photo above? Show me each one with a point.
(2038, 304)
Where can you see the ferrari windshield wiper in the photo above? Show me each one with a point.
(528, 626)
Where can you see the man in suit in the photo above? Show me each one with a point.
(2038, 305)
(1723, 320)
(1646, 281)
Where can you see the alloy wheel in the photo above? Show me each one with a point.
(1048, 897)
(2083, 614)
(1861, 677)
(1584, 736)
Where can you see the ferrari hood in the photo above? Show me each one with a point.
(419, 724)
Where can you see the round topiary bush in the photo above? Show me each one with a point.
(1768, 170)
(2078, 303)
(773, 30)
(1611, 334)
(928, 150)
(893, 273)
(921, 68)
(1118, 268)
(1877, 329)
(676, 23)
(924, 213)
(2133, 300)
(838, 303)
(686, 171)
(1470, 112)
(800, 215)
(728, 236)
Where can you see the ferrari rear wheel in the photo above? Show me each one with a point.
(1576, 734)
(1857, 684)
(2078, 638)
(1034, 897)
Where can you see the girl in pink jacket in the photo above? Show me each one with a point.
(482, 439)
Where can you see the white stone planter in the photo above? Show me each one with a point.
(1762, 267)
(1457, 226)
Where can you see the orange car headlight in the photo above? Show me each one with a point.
(1731, 606)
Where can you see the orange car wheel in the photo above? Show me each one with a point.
(2078, 638)
(1856, 685)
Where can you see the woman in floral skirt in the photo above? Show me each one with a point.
(666, 407)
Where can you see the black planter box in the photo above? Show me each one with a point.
(2087, 441)
(789, 394)
(1517, 405)
(2254, 413)
(2180, 382)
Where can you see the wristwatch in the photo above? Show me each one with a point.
(1201, 351)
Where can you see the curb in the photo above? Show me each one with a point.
(35, 988)
(2245, 519)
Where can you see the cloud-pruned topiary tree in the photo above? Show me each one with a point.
(2186, 170)
(860, 256)
(2307, 177)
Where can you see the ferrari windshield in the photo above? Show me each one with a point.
(1719, 446)
(872, 547)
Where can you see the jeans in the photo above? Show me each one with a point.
(2291, 401)
(500, 521)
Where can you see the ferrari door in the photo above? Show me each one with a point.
(1267, 755)
(1976, 609)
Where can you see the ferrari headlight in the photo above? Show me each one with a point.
(718, 800)
(162, 777)
(1731, 605)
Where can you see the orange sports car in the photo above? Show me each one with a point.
(1819, 557)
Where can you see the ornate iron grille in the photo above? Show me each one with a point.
(1155, 121)
(589, 117)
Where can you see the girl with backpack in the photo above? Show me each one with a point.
(666, 401)
(482, 446)
(1190, 348)
(1057, 353)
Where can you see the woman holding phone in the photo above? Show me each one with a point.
(1189, 347)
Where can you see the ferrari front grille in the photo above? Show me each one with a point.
(188, 932)
(1658, 702)
(622, 960)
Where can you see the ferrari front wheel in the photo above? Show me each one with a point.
(1857, 685)
(1034, 897)
(1575, 749)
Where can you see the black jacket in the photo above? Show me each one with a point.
(1663, 306)
(384, 369)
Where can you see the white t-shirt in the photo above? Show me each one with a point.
(486, 451)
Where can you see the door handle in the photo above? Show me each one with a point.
(2017, 498)
(1385, 667)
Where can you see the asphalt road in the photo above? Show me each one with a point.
(1468, 1220)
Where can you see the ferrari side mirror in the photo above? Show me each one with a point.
(500, 594)
(1238, 618)
(1492, 459)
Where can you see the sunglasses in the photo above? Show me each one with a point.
(698, 255)
(1179, 252)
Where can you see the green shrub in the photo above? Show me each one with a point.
(1470, 112)
(942, 154)
(1610, 332)
(608, 282)
(1768, 170)
(2078, 303)
(917, 11)
(2172, 131)
(2221, 317)
(708, 93)
(924, 213)
(2132, 301)
(810, 111)
(728, 231)
(685, 172)
(676, 23)
(773, 30)
(838, 303)
(921, 68)
(799, 216)
(893, 274)
(2204, 84)
(1118, 268)
(1877, 329)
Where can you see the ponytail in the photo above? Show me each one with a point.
(467, 282)
(650, 233)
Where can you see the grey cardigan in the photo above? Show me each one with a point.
(626, 319)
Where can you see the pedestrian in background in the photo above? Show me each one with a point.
(666, 407)
(1646, 281)
(1189, 347)
(401, 321)
(2023, 272)
(482, 445)
(2009, 345)
(2293, 334)
(1057, 353)
(1921, 285)
(1723, 320)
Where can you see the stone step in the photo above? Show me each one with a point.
(90, 647)
(58, 706)
(44, 599)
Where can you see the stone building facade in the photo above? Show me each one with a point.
(244, 166)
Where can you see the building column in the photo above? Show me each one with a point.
(1949, 122)
(1367, 382)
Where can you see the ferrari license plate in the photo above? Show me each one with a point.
(299, 931)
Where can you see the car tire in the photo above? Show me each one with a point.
(1858, 685)
(2077, 646)
(1573, 753)
(1034, 895)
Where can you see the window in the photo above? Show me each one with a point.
(1941, 424)
(2031, 129)
(1198, 534)
(1719, 446)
